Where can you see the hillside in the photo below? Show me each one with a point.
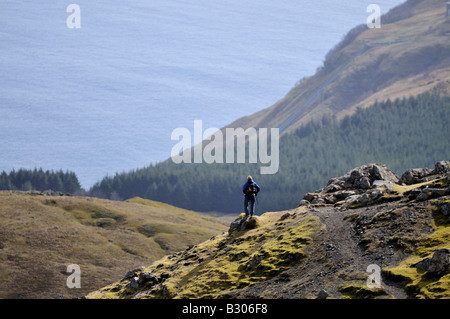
(408, 55)
(41, 235)
(402, 133)
(381, 96)
(321, 249)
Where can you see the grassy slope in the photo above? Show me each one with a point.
(420, 64)
(296, 253)
(41, 235)
(225, 263)
(416, 281)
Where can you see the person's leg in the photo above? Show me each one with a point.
(252, 206)
(246, 206)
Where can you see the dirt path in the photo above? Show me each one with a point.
(342, 246)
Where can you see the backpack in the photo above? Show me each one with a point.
(251, 189)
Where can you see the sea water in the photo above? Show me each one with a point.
(105, 97)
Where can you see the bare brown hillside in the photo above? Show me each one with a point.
(40, 236)
(408, 55)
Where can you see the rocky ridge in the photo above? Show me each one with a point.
(366, 219)
(375, 183)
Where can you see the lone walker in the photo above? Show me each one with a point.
(250, 190)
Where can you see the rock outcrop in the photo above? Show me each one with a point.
(438, 264)
(360, 185)
(321, 249)
(243, 223)
(419, 175)
(415, 175)
(375, 183)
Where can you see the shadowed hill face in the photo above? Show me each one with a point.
(41, 235)
(408, 55)
(322, 248)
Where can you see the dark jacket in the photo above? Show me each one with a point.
(247, 185)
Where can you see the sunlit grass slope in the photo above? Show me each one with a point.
(41, 235)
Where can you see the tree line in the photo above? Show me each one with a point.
(404, 133)
(38, 179)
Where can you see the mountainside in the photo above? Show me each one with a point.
(366, 234)
(41, 235)
(408, 55)
(381, 96)
(401, 133)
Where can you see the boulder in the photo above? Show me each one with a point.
(319, 201)
(381, 183)
(415, 175)
(438, 264)
(343, 194)
(367, 198)
(303, 202)
(133, 284)
(146, 277)
(442, 167)
(234, 225)
(356, 187)
(375, 194)
(364, 199)
(429, 193)
(132, 273)
(250, 223)
(254, 261)
(381, 172)
(310, 196)
(140, 280)
(352, 200)
(322, 294)
(243, 223)
(444, 205)
(333, 187)
(422, 197)
(360, 179)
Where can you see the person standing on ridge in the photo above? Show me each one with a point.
(250, 190)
